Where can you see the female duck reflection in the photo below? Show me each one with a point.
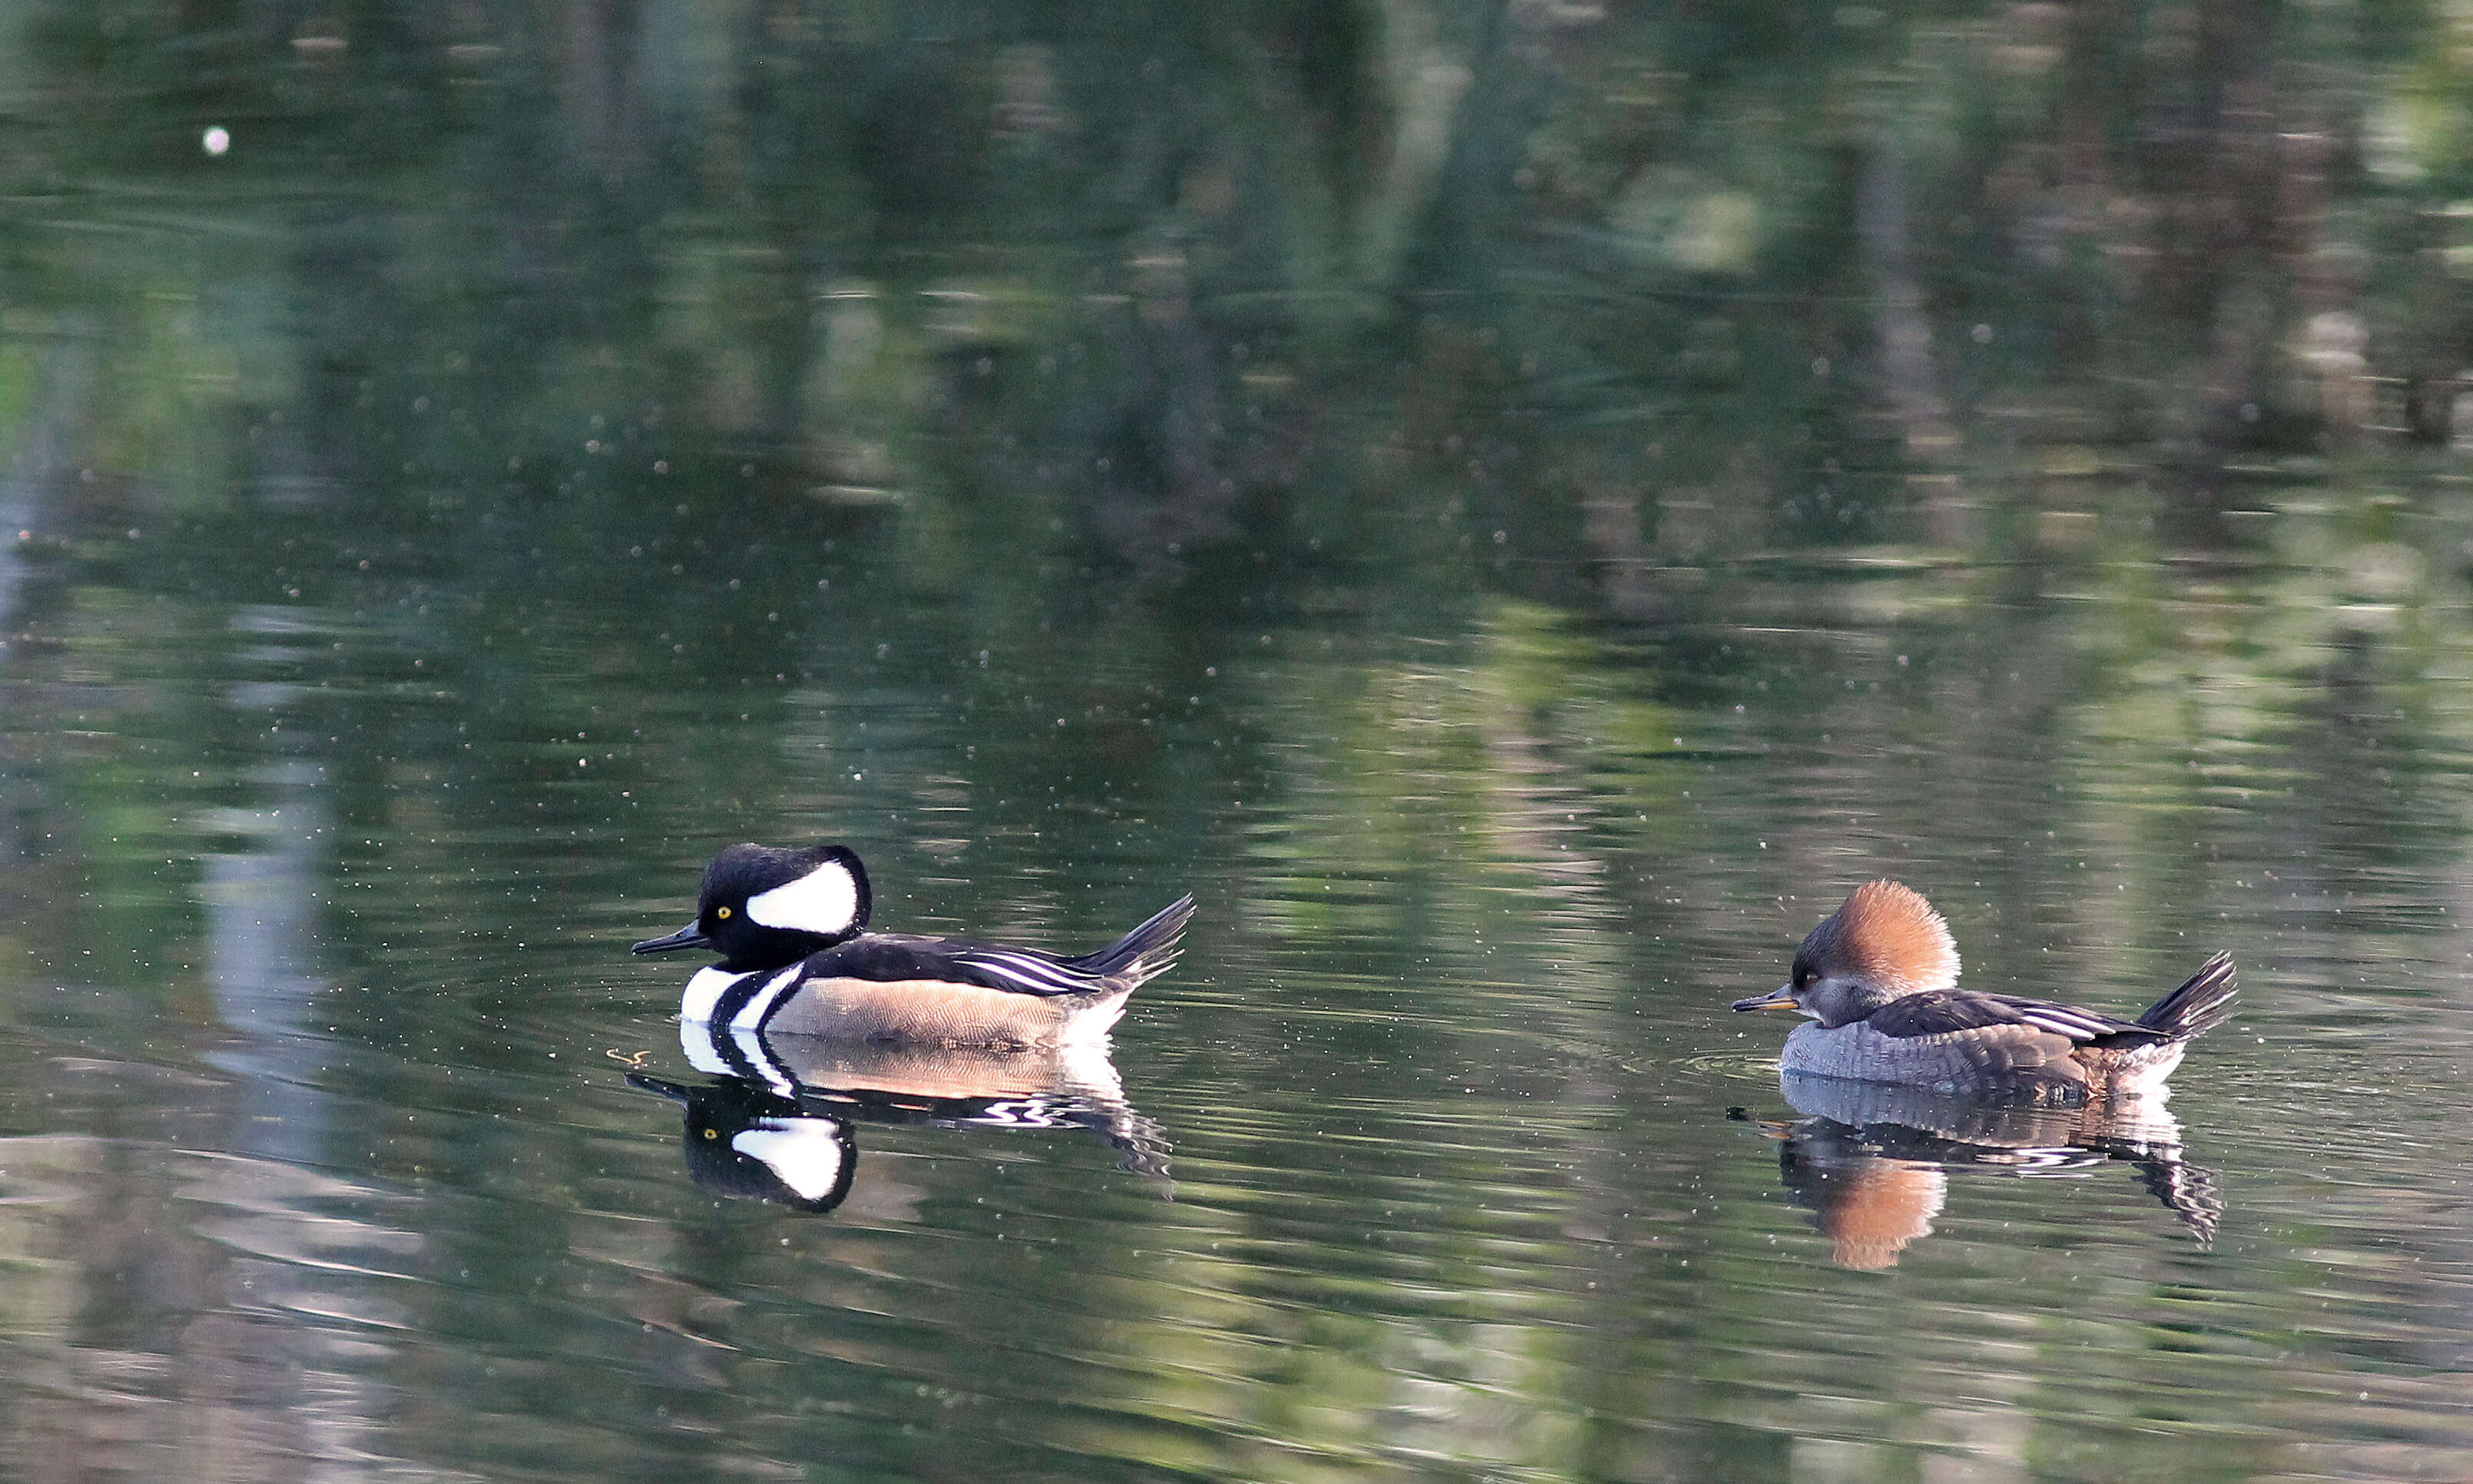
(819, 1021)
(1871, 1160)
(1903, 1075)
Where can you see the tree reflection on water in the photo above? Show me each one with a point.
(1513, 504)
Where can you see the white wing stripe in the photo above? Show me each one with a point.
(1023, 966)
(2077, 1027)
(1041, 976)
(1045, 984)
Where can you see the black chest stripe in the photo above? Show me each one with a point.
(751, 1002)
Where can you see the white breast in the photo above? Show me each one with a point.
(705, 992)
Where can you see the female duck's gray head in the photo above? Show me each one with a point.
(1885, 942)
(761, 907)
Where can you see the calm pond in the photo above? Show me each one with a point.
(1518, 508)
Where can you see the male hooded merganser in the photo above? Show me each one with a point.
(1879, 978)
(796, 959)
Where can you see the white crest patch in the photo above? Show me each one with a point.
(805, 1154)
(704, 992)
(822, 902)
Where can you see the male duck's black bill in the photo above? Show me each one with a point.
(1780, 998)
(688, 937)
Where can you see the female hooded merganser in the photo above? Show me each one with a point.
(1879, 978)
(796, 959)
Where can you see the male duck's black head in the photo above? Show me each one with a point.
(761, 907)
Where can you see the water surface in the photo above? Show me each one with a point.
(1517, 512)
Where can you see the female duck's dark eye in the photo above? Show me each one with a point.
(721, 914)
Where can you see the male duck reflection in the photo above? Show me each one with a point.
(796, 958)
(747, 1142)
(1879, 978)
(779, 1123)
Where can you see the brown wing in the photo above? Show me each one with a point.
(1992, 1035)
(1943, 1012)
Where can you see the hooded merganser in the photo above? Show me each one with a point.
(796, 959)
(1879, 978)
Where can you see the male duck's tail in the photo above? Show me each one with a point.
(2199, 1005)
(1144, 953)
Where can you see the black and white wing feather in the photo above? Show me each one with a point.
(2078, 1024)
(1949, 1012)
(1128, 963)
(1027, 971)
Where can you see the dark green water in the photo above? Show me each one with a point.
(1517, 509)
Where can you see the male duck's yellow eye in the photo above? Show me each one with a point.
(721, 914)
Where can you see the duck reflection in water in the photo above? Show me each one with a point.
(748, 1142)
(777, 1122)
(1872, 1159)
